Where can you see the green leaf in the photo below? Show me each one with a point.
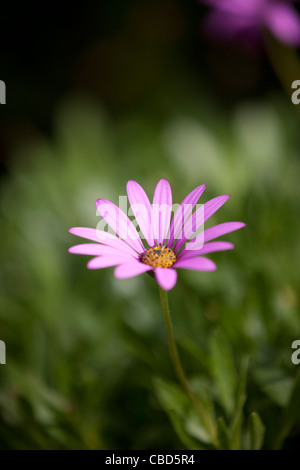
(176, 404)
(241, 394)
(237, 419)
(223, 434)
(257, 431)
(275, 383)
(190, 443)
(291, 414)
(202, 389)
(223, 370)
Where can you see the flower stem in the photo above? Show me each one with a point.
(207, 421)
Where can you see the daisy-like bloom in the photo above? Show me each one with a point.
(245, 19)
(171, 244)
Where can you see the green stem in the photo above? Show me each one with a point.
(208, 423)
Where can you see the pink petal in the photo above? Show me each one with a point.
(141, 208)
(166, 277)
(98, 250)
(284, 23)
(207, 248)
(197, 264)
(183, 212)
(161, 210)
(222, 24)
(130, 269)
(120, 223)
(105, 261)
(199, 218)
(103, 237)
(237, 7)
(221, 229)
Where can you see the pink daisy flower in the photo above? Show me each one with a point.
(164, 244)
(237, 19)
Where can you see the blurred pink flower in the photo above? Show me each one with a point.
(169, 241)
(245, 19)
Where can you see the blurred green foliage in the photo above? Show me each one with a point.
(87, 358)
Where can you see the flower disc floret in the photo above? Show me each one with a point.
(159, 257)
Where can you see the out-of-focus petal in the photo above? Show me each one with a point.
(166, 277)
(131, 269)
(284, 22)
(120, 223)
(223, 25)
(103, 237)
(141, 208)
(207, 248)
(237, 7)
(199, 218)
(161, 210)
(196, 264)
(183, 212)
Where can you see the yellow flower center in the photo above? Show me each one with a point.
(159, 257)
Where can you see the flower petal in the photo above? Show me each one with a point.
(284, 22)
(242, 8)
(105, 261)
(166, 277)
(161, 211)
(120, 223)
(223, 24)
(141, 208)
(218, 230)
(197, 264)
(183, 212)
(96, 249)
(131, 269)
(207, 248)
(199, 218)
(102, 237)
(237, 7)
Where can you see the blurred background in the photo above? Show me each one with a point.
(98, 94)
